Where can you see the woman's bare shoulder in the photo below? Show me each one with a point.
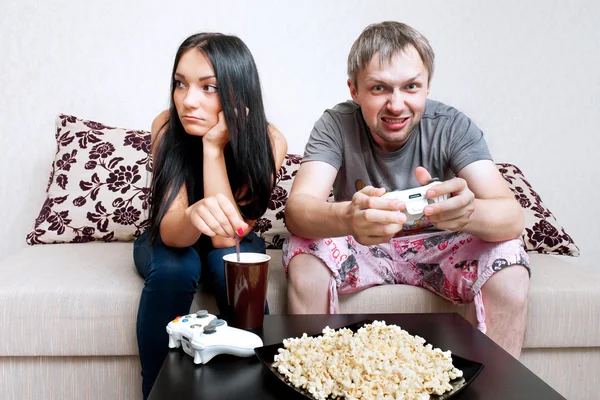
(158, 127)
(279, 144)
(276, 136)
(159, 122)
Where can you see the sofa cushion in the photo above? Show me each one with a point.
(564, 302)
(98, 185)
(72, 300)
(51, 306)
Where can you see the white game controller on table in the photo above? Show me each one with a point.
(204, 340)
(415, 200)
(184, 327)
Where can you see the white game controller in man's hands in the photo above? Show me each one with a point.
(415, 200)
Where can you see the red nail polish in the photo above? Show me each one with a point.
(240, 232)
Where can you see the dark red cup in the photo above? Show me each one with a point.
(247, 281)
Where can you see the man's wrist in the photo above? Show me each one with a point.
(342, 213)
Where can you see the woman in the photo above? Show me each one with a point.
(215, 162)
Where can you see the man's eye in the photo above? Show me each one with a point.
(412, 86)
(209, 88)
(378, 88)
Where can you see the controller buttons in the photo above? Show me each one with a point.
(208, 329)
(202, 313)
(188, 316)
(196, 326)
(175, 320)
(217, 322)
(185, 320)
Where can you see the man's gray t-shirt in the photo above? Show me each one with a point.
(444, 142)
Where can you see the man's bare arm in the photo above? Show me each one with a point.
(367, 217)
(307, 212)
(495, 215)
(498, 215)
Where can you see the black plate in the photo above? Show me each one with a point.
(470, 369)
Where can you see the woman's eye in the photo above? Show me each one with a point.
(209, 88)
(179, 84)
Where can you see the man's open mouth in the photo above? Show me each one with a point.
(394, 121)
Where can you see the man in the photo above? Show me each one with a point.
(391, 137)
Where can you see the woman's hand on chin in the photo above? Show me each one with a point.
(218, 136)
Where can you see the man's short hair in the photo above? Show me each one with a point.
(388, 39)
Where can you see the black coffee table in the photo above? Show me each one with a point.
(228, 377)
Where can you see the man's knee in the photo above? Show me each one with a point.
(508, 287)
(308, 283)
(306, 270)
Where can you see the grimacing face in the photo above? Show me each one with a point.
(392, 97)
(195, 96)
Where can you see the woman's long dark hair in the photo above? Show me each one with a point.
(248, 155)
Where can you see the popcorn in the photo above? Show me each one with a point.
(379, 361)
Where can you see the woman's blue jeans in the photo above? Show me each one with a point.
(171, 279)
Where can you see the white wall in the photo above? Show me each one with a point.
(525, 73)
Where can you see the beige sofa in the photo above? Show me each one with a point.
(69, 311)
(68, 315)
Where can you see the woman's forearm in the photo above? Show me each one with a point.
(177, 230)
(216, 181)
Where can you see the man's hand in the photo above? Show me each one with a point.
(453, 213)
(374, 220)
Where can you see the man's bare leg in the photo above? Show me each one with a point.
(505, 301)
(308, 285)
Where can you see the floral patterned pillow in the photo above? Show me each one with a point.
(271, 226)
(98, 186)
(542, 233)
(99, 190)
